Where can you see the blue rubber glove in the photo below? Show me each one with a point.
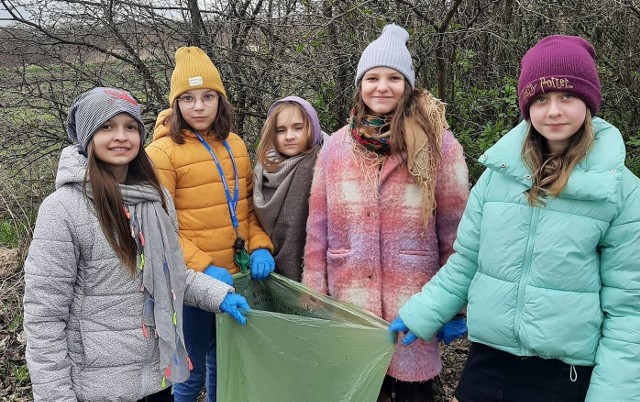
(399, 326)
(220, 274)
(454, 329)
(234, 305)
(262, 263)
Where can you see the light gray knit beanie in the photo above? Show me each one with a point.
(91, 109)
(389, 50)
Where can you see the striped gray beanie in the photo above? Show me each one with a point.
(91, 109)
(389, 50)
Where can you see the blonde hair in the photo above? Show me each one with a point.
(269, 133)
(551, 171)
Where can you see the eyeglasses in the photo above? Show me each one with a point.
(189, 101)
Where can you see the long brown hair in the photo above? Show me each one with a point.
(222, 125)
(268, 134)
(427, 112)
(550, 170)
(108, 201)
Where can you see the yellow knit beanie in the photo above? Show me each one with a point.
(194, 70)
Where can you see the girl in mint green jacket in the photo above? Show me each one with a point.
(547, 257)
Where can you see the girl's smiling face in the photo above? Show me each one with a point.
(381, 89)
(116, 143)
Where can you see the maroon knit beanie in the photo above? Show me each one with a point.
(559, 63)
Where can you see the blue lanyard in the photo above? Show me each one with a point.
(231, 202)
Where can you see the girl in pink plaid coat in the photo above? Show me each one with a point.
(387, 194)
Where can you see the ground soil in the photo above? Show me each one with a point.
(453, 357)
(14, 382)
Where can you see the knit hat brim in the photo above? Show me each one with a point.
(577, 86)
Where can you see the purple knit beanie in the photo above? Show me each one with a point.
(559, 63)
(310, 112)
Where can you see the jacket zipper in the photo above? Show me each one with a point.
(526, 268)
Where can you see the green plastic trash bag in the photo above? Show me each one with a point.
(299, 345)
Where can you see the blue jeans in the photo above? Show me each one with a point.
(199, 328)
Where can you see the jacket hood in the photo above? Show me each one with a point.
(160, 130)
(72, 166)
(602, 165)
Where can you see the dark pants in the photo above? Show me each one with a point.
(491, 375)
(162, 396)
(400, 391)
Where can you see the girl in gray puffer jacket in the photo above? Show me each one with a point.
(105, 279)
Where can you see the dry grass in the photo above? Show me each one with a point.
(14, 378)
(454, 356)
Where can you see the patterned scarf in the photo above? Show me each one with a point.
(372, 133)
(163, 276)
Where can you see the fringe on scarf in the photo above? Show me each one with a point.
(423, 127)
(369, 163)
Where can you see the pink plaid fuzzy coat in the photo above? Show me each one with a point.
(376, 252)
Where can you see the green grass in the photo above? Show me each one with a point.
(8, 234)
(16, 323)
(21, 374)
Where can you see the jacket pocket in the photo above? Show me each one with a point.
(338, 251)
(340, 272)
(416, 252)
(339, 261)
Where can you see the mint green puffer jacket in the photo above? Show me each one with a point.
(560, 281)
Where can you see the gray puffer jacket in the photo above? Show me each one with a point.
(83, 309)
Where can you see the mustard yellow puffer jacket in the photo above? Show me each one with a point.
(189, 173)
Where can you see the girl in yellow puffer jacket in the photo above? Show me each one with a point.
(207, 170)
